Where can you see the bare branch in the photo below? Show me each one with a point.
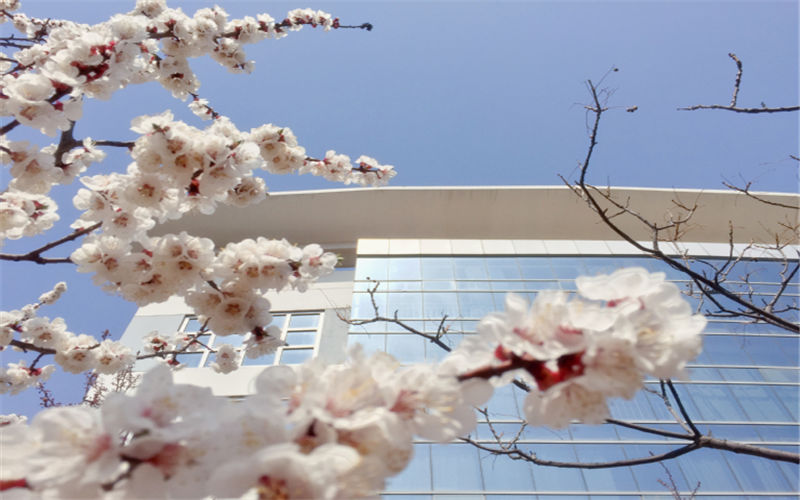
(746, 190)
(738, 77)
(732, 106)
(707, 286)
(36, 255)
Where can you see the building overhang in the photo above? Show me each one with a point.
(337, 218)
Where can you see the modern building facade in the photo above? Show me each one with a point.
(456, 252)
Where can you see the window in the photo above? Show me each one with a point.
(299, 330)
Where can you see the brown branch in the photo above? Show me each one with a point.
(708, 286)
(738, 77)
(732, 105)
(119, 144)
(746, 191)
(516, 454)
(35, 255)
(742, 110)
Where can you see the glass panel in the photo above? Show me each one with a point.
(437, 268)
(473, 285)
(772, 351)
(372, 343)
(404, 268)
(301, 338)
(404, 285)
(611, 479)
(192, 325)
(475, 304)
(716, 402)
(417, 475)
(439, 285)
(760, 404)
(374, 268)
(192, 359)
(556, 478)
(504, 474)
(502, 268)
(295, 356)
(757, 474)
(455, 467)
(704, 374)
(362, 306)
(508, 286)
(503, 403)
(780, 432)
(437, 305)
(535, 268)
(726, 349)
(407, 305)
(741, 374)
(790, 397)
(235, 340)
(470, 268)
(637, 408)
(278, 320)
(304, 321)
(406, 347)
(267, 359)
(648, 475)
(567, 267)
(598, 432)
(735, 432)
(776, 375)
(709, 469)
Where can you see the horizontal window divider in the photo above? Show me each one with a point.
(662, 422)
(725, 382)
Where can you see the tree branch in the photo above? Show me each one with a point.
(732, 105)
(35, 255)
(707, 286)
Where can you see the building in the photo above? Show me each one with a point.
(456, 252)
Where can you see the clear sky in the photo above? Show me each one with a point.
(468, 93)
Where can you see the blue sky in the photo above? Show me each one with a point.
(469, 93)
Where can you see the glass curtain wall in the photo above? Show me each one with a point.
(744, 387)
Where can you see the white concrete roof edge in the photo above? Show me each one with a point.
(525, 187)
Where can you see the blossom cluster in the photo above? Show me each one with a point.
(73, 353)
(576, 354)
(175, 169)
(150, 43)
(318, 432)
(339, 431)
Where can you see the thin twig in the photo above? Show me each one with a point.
(732, 105)
(35, 255)
(746, 191)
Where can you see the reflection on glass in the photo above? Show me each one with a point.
(374, 268)
(404, 268)
(416, 476)
(265, 360)
(307, 337)
(555, 478)
(407, 305)
(437, 268)
(470, 268)
(192, 325)
(372, 343)
(406, 347)
(278, 320)
(455, 467)
(436, 305)
(304, 321)
(295, 356)
(502, 268)
(612, 479)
